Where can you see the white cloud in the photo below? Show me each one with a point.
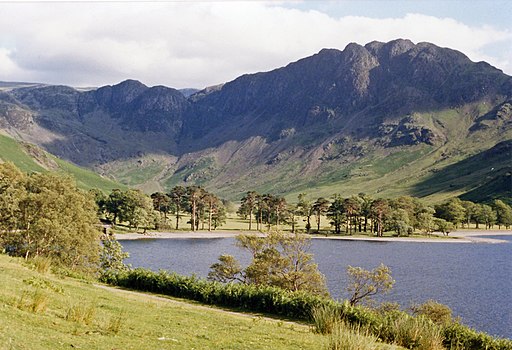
(184, 44)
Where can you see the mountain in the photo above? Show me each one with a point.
(383, 118)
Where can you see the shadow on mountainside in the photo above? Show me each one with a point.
(484, 176)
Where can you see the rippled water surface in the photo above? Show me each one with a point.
(475, 280)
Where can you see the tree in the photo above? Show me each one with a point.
(12, 191)
(161, 203)
(219, 216)
(471, 211)
(137, 209)
(351, 208)
(441, 225)
(452, 211)
(305, 209)
(178, 198)
(113, 204)
(425, 221)
(320, 207)
(487, 216)
(279, 206)
(379, 210)
(292, 212)
(398, 221)
(261, 206)
(503, 213)
(366, 204)
(213, 204)
(194, 194)
(409, 206)
(247, 205)
(268, 202)
(112, 257)
(47, 215)
(228, 269)
(364, 284)
(278, 259)
(336, 213)
(101, 200)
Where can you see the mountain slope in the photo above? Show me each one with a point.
(30, 158)
(379, 118)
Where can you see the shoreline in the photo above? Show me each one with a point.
(464, 236)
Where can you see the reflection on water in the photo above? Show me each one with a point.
(475, 280)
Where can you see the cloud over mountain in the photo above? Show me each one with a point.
(196, 44)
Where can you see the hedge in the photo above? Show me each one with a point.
(279, 302)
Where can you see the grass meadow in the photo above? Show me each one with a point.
(42, 310)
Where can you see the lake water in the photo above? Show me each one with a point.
(475, 280)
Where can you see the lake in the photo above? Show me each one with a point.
(475, 280)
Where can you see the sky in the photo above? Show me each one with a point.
(195, 44)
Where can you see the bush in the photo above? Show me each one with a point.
(434, 311)
(458, 336)
(265, 299)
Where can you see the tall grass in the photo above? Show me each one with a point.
(115, 323)
(35, 301)
(345, 337)
(412, 332)
(42, 264)
(325, 318)
(80, 313)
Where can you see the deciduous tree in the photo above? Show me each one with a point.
(503, 213)
(278, 259)
(364, 284)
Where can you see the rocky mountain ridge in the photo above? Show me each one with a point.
(318, 122)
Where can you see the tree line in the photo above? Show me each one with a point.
(361, 213)
(355, 214)
(205, 209)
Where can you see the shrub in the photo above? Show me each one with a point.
(458, 336)
(434, 311)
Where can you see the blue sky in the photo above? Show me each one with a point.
(488, 12)
(202, 43)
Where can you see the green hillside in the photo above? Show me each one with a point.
(30, 158)
(45, 311)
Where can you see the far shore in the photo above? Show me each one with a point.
(462, 236)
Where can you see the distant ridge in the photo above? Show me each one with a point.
(382, 118)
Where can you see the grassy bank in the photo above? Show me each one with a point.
(41, 310)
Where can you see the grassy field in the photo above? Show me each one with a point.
(45, 311)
